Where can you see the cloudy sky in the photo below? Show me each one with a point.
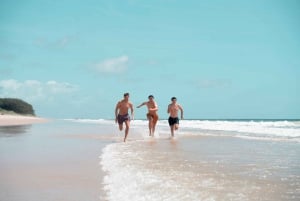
(221, 59)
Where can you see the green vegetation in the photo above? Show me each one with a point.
(13, 105)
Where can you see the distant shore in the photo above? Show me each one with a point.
(10, 120)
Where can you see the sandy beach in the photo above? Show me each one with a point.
(50, 161)
(7, 120)
(74, 160)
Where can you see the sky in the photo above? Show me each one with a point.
(222, 59)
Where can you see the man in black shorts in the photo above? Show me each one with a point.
(173, 118)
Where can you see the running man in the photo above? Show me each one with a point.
(152, 113)
(121, 113)
(173, 118)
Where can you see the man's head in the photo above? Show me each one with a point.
(150, 97)
(126, 95)
(173, 99)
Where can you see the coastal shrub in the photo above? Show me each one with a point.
(16, 105)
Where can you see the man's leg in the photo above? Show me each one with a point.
(172, 130)
(155, 119)
(120, 126)
(150, 125)
(127, 123)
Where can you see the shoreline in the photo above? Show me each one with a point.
(75, 160)
(47, 162)
(14, 120)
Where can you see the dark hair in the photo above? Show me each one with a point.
(126, 94)
(173, 98)
(150, 96)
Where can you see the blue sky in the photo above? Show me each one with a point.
(221, 59)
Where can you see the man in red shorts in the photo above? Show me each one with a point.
(152, 113)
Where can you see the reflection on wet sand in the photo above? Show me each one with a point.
(12, 131)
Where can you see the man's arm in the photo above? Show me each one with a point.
(144, 103)
(116, 111)
(181, 111)
(168, 110)
(132, 111)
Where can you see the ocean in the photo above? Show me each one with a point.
(208, 160)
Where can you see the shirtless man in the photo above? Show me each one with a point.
(121, 113)
(173, 111)
(152, 113)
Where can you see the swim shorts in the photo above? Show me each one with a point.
(173, 121)
(123, 118)
(153, 116)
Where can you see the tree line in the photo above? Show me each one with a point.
(16, 105)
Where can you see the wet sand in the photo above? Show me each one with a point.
(203, 168)
(51, 161)
(59, 160)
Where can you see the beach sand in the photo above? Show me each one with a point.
(50, 161)
(64, 160)
(6, 120)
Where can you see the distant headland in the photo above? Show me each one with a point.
(15, 106)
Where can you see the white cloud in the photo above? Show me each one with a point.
(33, 90)
(57, 43)
(57, 87)
(63, 42)
(11, 85)
(112, 65)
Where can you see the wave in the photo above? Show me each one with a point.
(92, 121)
(171, 172)
(263, 129)
(132, 175)
(272, 128)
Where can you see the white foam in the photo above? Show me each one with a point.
(138, 174)
(272, 128)
(127, 180)
(92, 121)
(133, 175)
(255, 129)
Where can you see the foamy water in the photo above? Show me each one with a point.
(262, 129)
(143, 179)
(164, 171)
(209, 160)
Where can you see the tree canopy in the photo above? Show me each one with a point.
(16, 105)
